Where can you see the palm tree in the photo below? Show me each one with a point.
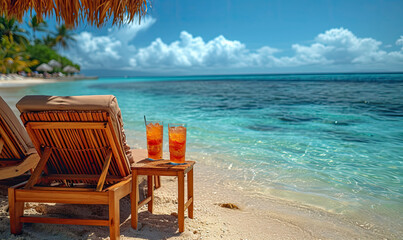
(48, 41)
(37, 26)
(64, 36)
(13, 57)
(11, 29)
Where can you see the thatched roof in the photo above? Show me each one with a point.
(72, 12)
(54, 63)
(70, 69)
(44, 68)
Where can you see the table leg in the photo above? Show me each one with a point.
(181, 201)
(150, 192)
(190, 193)
(134, 198)
(157, 181)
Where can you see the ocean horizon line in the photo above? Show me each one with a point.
(252, 74)
(297, 77)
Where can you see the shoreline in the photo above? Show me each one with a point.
(257, 218)
(25, 81)
(20, 81)
(311, 221)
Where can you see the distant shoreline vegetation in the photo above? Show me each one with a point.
(21, 51)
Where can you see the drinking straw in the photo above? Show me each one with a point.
(145, 121)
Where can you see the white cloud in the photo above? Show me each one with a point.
(340, 46)
(110, 51)
(194, 52)
(400, 42)
(191, 51)
(337, 46)
(334, 48)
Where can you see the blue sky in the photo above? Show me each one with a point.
(188, 37)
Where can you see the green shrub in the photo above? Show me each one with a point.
(44, 54)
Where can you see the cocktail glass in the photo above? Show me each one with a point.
(177, 142)
(154, 131)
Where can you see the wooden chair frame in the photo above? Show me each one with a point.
(28, 192)
(17, 168)
(16, 165)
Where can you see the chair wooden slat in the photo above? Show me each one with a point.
(79, 141)
(16, 157)
(67, 125)
(10, 144)
(39, 168)
(83, 177)
(1, 144)
(102, 178)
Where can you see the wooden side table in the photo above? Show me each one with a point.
(162, 168)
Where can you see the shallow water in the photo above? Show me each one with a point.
(330, 141)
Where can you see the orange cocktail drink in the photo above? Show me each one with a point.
(154, 139)
(177, 142)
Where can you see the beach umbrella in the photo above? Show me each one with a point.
(72, 12)
(54, 63)
(70, 69)
(44, 68)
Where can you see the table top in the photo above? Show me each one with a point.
(162, 165)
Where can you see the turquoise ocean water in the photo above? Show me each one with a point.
(333, 141)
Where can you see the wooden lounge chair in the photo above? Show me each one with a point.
(84, 158)
(17, 153)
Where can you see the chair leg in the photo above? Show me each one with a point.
(16, 210)
(114, 216)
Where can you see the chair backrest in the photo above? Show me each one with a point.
(14, 140)
(80, 130)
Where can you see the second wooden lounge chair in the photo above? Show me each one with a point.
(84, 158)
(17, 153)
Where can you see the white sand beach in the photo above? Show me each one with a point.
(257, 218)
(14, 80)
